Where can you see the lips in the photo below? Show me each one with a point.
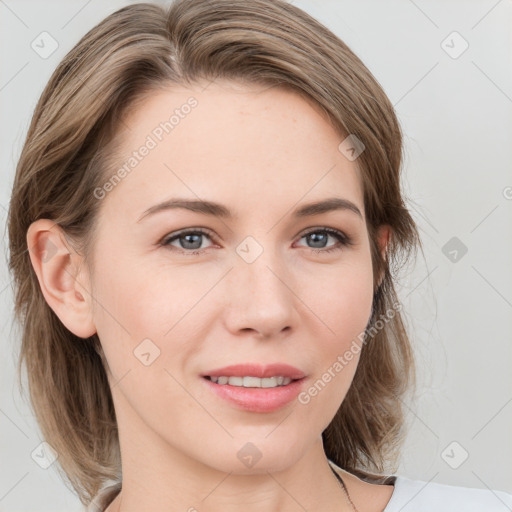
(257, 370)
(256, 399)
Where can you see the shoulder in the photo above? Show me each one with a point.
(421, 496)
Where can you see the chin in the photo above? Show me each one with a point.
(260, 455)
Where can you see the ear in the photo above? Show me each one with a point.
(63, 285)
(383, 237)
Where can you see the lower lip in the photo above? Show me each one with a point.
(257, 399)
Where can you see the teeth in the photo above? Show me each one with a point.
(252, 382)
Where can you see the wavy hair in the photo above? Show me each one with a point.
(70, 148)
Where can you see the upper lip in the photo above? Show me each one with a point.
(257, 370)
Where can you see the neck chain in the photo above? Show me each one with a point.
(344, 487)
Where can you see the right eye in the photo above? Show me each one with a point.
(188, 241)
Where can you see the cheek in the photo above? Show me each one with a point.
(142, 309)
(135, 324)
(335, 353)
(343, 302)
(343, 307)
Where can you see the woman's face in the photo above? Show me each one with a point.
(260, 285)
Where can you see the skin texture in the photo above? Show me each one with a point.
(262, 152)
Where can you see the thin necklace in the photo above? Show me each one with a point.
(345, 490)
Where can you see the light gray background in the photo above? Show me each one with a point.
(456, 114)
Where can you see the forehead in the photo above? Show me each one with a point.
(233, 143)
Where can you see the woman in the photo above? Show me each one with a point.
(204, 220)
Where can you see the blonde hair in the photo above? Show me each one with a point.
(71, 146)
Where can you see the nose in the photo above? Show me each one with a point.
(260, 297)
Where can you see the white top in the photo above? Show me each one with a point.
(408, 496)
(420, 496)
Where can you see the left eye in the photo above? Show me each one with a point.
(190, 241)
(343, 239)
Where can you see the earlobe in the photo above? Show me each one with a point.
(56, 265)
(383, 239)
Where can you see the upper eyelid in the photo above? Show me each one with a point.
(188, 231)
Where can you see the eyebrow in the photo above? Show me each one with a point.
(219, 210)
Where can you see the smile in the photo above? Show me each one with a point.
(252, 382)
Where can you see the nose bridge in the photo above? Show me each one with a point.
(260, 292)
(259, 264)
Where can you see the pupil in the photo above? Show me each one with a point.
(197, 236)
(316, 237)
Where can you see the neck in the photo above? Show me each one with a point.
(309, 484)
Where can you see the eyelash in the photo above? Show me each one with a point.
(344, 240)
